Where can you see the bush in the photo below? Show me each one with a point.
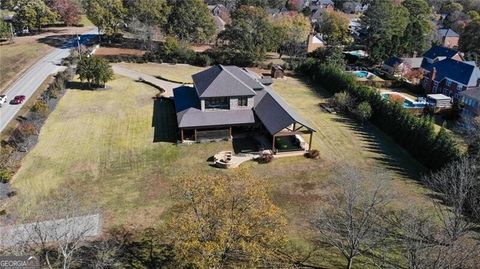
(5, 175)
(363, 111)
(40, 107)
(265, 158)
(313, 154)
(342, 101)
(203, 60)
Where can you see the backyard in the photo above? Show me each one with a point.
(114, 151)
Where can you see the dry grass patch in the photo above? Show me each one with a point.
(173, 72)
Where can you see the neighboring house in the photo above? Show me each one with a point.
(318, 7)
(221, 16)
(228, 99)
(402, 66)
(471, 101)
(451, 77)
(448, 38)
(351, 7)
(314, 42)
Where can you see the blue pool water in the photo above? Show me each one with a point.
(361, 74)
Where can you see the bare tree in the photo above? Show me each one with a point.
(349, 222)
(425, 243)
(458, 185)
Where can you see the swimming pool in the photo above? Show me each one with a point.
(361, 74)
(407, 103)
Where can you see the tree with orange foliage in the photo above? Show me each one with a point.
(225, 221)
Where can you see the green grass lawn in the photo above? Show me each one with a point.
(101, 143)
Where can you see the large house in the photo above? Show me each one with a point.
(228, 99)
(445, 72)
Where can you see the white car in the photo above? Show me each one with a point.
(3, 99)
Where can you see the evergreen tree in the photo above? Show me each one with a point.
(385, 23)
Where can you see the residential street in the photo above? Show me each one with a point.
(29, 81)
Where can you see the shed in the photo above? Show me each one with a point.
(439, 100)
(277, 71)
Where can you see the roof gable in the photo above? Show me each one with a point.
(437, 51)
(221, 81)
(447, 33)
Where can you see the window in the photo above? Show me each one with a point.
(243, 101)
(217, 103)
(449, 83)
(459, 88)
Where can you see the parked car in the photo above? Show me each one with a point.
(18, 100)
(3, 99)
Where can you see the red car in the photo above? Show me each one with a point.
(18, 100)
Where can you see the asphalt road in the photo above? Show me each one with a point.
(31, 79)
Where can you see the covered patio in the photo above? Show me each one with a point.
(285, 127)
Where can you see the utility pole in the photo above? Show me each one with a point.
(78, 46)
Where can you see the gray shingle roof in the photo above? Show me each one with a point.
(223, 81)
(275, 113)
(447, 33)
(189, 114)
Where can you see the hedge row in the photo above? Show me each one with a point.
(415, 134)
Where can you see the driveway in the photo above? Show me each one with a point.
(29, 82)
(167, 86)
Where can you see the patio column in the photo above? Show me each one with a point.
(181, 135)
(273, 145)
(310, 142)
(230, 132)
(195, 135)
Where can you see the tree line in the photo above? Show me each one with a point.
(31, 15)
(416, 134)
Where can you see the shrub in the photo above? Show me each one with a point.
(313, 154)
(265, 158)
(5, 175)
(342, 101)
(40, 107)
(3, 212)
(363, 111)
(203, 60)
(396, 98)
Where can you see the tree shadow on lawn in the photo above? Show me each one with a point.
(164, 121)
(67, 40)
(391, 155)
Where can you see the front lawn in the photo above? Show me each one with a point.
(116, 152)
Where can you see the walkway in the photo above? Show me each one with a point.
(165, 85)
